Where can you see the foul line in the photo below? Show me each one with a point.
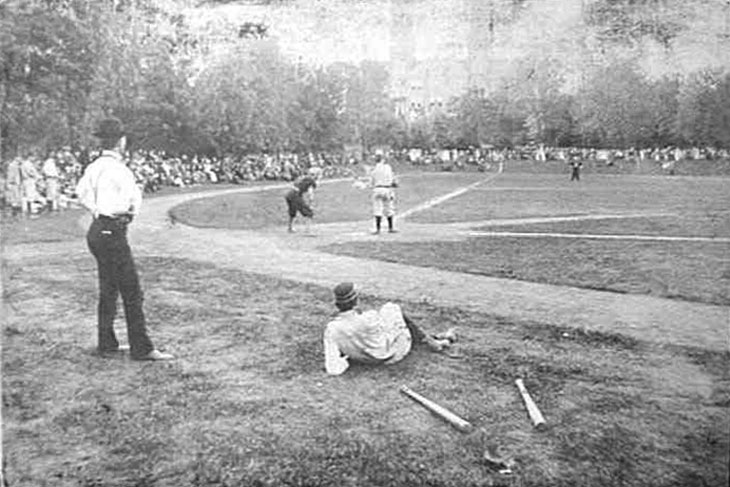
(554, 219)
(445, 197)
(528, 188)
(656, 238)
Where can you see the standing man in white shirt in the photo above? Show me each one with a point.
(383, 183)
(109, 191)
(14, 187)
(29, 175)
(381, 336)
(51, 175)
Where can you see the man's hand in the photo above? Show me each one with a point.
(124, 216)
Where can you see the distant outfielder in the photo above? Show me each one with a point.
(383, 183)
(299, 200)
(575, 166)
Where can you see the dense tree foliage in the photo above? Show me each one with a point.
(228, 89)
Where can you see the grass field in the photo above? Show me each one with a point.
(689, 207)
(247, 402)
(697, 207)
(685, 167)
(334, 202)
(533, 195)
(689, 271)
(64, 225)
(694, 207)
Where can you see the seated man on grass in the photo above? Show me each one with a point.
(374, 337)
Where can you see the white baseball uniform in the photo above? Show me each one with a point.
(383, 193)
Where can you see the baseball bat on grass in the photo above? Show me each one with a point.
(443, 413)
(535, 415)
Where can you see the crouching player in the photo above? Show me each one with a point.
(380, 336)
(299, 200)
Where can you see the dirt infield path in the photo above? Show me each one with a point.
(296, 257)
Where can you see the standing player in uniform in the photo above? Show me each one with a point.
(575, 166)
(383, 183)
(299, 200)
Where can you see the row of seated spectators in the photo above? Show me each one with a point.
(488, 155)
(155, 170)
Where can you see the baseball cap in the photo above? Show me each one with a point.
(345, 293)
(109, 128)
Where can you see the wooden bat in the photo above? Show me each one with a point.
(535, 415)
(455, 421)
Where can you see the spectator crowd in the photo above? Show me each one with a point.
(487, 155)
(33, 184)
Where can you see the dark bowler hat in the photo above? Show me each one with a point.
(345, 293)
(109, 128)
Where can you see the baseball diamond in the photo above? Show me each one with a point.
(442, 243)
(653, 324)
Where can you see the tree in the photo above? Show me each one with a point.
(236, 101)
(46, 68)
(320, 103)
(628, 21)
(368, 114)
(617, 107)
(704, 109)
(472, 119)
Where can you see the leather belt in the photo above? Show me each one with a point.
(113, 219)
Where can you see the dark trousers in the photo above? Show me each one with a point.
(575, 175)
(107, 241)
(417, 334)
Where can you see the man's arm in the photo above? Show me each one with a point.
(391, 176)
(85, 193)
(310, 194)
(334, 362)
(135, 195)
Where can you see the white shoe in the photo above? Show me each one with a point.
(155, 355)
(449, 335)
(114, 352)
(437, 345)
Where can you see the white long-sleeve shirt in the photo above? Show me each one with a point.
(108, 187)
(50, 170)
(382, 175)
(370, 337)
